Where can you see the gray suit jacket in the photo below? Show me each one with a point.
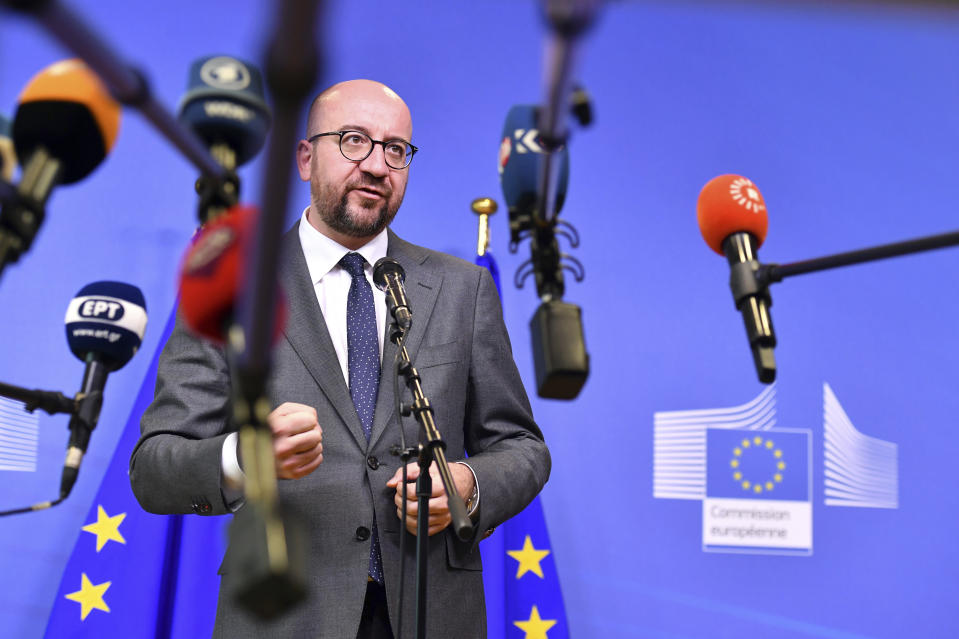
(459, 344)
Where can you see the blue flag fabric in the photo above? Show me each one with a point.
(133, 574)
(523, 596)
(772, 464)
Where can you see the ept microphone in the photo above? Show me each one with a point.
(732, 219)
(225, 105)
(212, 272)
(105, 323)
(8, 157)
(521, 155)
(389, 276)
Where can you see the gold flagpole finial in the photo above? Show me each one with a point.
(483, 207)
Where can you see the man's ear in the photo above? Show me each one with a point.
(304, 156)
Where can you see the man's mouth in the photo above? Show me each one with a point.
(370, 192)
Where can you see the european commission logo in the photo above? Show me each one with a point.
(755, 480)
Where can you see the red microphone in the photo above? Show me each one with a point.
(213, 273)
(732, 218)
(731, 204)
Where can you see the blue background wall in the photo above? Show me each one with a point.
(844, 116)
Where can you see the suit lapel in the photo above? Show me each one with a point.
(423, 284)
(309, 337)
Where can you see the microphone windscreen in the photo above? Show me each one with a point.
(225, 103)
(213, 272)
(107, 320)
(730, 204)
(384, 267)
(67, 110)
(520, 158)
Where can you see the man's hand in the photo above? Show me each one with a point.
(439, 508)
(297, 440)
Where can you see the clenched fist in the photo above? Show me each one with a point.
(297, 440)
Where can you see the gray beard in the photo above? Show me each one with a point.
(339, 219)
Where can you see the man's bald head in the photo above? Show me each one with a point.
(353, 92)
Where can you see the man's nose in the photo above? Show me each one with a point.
(375, 162)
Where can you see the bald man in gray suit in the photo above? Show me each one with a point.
(336, 469)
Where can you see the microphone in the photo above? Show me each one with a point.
(65, 125)
(8, 157)
(66, 113)
(733, 221)
(212, 271)
(105, 323)
(521, 154)
(559, 349)
(389, 276)
(225, 107)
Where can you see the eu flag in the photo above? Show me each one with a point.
(523, 597)
(133, 574)
(754, 464)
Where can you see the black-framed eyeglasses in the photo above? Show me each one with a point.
(356, 146)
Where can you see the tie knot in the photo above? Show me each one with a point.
(353, 263)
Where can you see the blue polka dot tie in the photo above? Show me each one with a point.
(364, 363)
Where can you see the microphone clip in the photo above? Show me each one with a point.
(24, 207)
(217, 195)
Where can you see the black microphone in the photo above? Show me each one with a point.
(105, 323)
(389, 276)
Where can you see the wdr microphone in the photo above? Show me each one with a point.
(733, 221)
(213, 271)
(105, 323)
(225, 105)
(388, 275)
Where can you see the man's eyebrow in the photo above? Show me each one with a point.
(354, 127)
(363, 129)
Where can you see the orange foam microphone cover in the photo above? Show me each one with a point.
(67, 110)
(731, 204)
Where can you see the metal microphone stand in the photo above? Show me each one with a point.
(433, 448)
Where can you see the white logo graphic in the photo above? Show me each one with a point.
(526, 141)
(18, 437)
(679, 442)
(754, 481)
(861, 471)
(225, 73)
(744, 192)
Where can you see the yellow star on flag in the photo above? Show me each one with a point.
(106, 528)
(89, 596)
(528, 558)
(534, 627)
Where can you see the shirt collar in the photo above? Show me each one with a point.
(322, 253)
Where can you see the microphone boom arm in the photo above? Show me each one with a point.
(51, 402)
(770, 273)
